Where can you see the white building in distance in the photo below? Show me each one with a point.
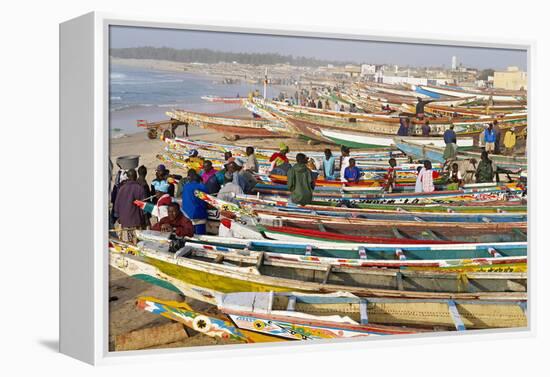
(453, 63)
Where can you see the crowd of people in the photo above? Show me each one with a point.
(238, 176)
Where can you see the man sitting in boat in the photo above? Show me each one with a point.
(175, 222)
(352, 172)
(485, 170)
(230, 189)
(251, 161)
(279, 161)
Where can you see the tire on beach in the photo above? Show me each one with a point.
(167, 134)
(152, 133)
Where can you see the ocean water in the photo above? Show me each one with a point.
(140, 93)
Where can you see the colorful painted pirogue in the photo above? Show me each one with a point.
(192, 274)
(432, 153)
(246, 323)
(295, 316)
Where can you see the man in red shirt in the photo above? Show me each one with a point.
(175, 222)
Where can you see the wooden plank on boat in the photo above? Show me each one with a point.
(399, 280)
(455, 315)
(260, 260)
(363, 311)
(291, 306)
(397, 233)
(519, 232)
(432, 235)
(327, 274)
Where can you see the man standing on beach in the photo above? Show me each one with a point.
(130, 217)
(300, 182)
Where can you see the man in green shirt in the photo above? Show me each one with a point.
(300, 181)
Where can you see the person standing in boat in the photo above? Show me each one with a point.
(344, 161)
(391, 176)
(490, 139)
(403, 127)
(418, 184)
(485, 170)
(251, 161)
(426, 129)
(496, 128)
(449, 137)
(319, 104)
(420, 107)
(300, 182)
(352, 173)
(129, 216)
(142, 180)
(328, 165)
(194, 208)
(510, 141)
(426, 177)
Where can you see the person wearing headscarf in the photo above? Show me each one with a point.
(510, 141)
(279, 160)
(301, 182)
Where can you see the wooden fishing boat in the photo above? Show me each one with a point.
(433, 153)
(458, 92)
(229, 125)
(426, 218)
(376, 227)
(204, 280)
(501, 207)
(445, 196)
(396, 234)
(251, 257)
(248, 319)
(371, 140)
(282, 306)
(232, 100)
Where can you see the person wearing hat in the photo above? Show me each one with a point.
(194, 161)
(161, 176)
(279, 160)
(245, 179)
(510, 141)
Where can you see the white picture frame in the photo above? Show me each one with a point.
(84, 150)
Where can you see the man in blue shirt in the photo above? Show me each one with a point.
(490, 138)
(352, 172)
(192, 207)
(449, 137)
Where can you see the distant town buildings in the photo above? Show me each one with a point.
(511, 79)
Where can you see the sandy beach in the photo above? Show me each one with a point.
(124, 290)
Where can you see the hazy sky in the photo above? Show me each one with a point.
(321, 48)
